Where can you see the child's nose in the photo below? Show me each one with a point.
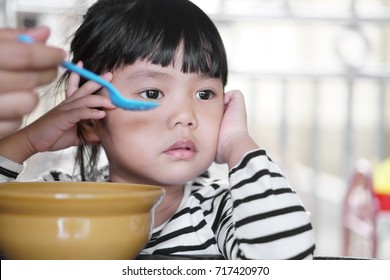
(183, 115)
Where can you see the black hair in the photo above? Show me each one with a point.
(115, 33)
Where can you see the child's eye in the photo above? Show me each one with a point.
(205, 94)
(151, 94)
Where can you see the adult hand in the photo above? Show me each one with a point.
(24, 67)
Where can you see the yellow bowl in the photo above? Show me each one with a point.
(73, 220)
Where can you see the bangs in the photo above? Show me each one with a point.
(123, 32)
(203, 50)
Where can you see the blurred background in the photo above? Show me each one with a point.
(316, 77)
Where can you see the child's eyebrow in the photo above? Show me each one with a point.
(146, 73)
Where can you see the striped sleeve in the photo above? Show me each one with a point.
(268, 218)
(9, 170)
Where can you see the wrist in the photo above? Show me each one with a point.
(236, 149)
(16, 147)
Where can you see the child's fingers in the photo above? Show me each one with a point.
(232, 94)
(234, 99)
(89, 101)
(77, 115)
(72, 84)
(97, 101)
(90, 87)
(64, 122)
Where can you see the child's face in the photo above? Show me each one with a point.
(169, 145)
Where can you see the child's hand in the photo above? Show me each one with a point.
(234, 140)
(57, 129)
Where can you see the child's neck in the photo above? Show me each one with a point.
(169, 204)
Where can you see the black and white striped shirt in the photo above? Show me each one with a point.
(254, 214)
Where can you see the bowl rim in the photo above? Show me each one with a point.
(71, 190)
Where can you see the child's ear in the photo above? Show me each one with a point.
(89, 131)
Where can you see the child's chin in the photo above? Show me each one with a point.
(178, 179)
(181, 175)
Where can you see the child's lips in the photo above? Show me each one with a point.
(182, 149)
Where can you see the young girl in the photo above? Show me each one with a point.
(169, 52)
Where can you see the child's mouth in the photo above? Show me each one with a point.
(183, 149)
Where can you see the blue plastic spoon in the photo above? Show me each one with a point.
(116, 98)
